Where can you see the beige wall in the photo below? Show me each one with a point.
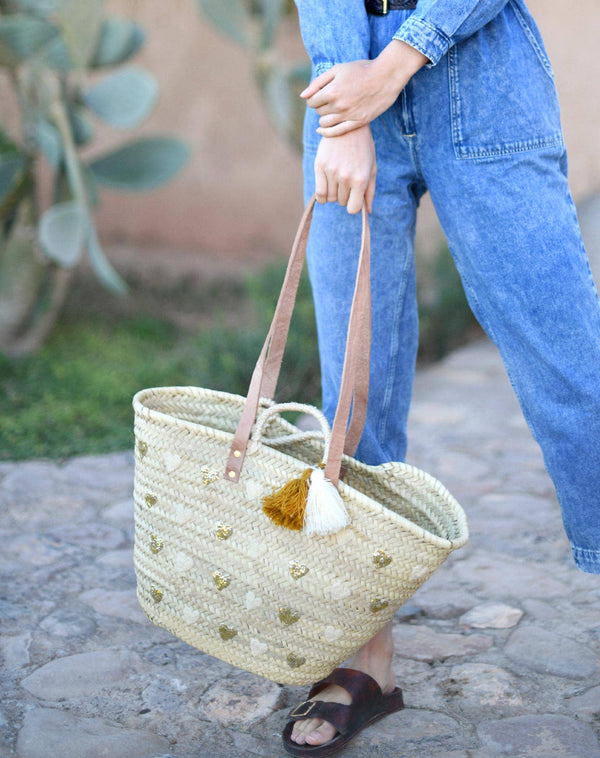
(241, 193)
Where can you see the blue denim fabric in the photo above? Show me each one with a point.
(336, 32)
(480, 130)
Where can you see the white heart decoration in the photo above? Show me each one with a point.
(190, 615)
(183, 562)
(171, 460)
(419, 572)
(253, 489)
(257, 647)
(252, 601)
(339, 591)
(256, 548)
(182, 514)
(332, 634)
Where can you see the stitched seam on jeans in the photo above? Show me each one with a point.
(467, 152)
(586, 552)
(532, 40)
(487, 327)
(453, 85)
(393, 362)
(509, 148)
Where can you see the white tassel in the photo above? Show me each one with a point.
(325, 510)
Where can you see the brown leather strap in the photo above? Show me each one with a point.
(356, 364)
(266, 371)
(355, 375)
(362, 688)
(343, 717)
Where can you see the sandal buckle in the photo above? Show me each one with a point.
(307, 705)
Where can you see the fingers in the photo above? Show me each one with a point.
(356, 200)
(345, 170)
(330, 119)
(320, 101)
(320, 184)
(342, 128)
(330, 190)
(370, 193)
(349, 193)
(343, 193)
(318, 83)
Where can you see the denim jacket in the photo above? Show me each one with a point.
(337, 31)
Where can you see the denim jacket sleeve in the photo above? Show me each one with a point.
(338, 32)
(437, 25)
(334, 32)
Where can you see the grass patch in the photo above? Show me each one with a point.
(74, 396)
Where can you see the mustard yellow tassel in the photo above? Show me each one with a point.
(286, 506)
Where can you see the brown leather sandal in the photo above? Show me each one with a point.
(368, 705)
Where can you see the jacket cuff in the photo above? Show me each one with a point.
(424, 37)
(322, 67)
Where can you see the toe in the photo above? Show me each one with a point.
(296, 735)
(302, 728)
(320, 736)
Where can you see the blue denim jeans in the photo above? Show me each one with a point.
(481, 131)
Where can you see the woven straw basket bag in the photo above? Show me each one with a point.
(289, 604)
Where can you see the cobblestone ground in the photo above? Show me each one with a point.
(498, 654)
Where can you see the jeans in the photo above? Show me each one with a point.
(481, 132)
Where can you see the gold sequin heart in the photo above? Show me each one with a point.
(150, 500)
(378, 604)
(297, 570)
(223, 531)
(156, 544)
(295, 661)
(287, 616)
(157, 595)
(381, 559)
(208, 475)
(142, 448)
(227, 632)
(221, 580)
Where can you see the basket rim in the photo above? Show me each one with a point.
(396, 466)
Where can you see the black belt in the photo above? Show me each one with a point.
(382, 7)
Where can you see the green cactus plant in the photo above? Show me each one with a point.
(47, 48)
(254, 24)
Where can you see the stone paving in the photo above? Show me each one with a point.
(498, 654)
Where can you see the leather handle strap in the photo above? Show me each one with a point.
(354, 377)
(356, 364)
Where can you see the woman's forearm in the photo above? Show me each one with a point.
(334, 31)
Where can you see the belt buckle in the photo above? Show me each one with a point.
(308, 706)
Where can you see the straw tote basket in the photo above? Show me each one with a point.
(217, 572)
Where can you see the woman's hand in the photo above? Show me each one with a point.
(351, 95)
(345, 169)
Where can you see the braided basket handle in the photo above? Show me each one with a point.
(355, 376)
(263, 420)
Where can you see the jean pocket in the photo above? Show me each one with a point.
(502, 94)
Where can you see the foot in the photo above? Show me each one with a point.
(375, 659)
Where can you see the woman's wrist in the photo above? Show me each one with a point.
(399, 61)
